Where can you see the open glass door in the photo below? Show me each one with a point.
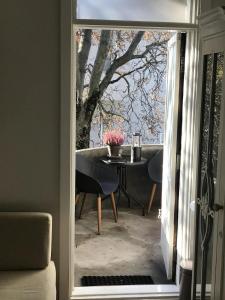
(209, 200)
(170, 153)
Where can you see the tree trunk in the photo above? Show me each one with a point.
(84, 115)
(82, 134)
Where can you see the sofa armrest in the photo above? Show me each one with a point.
(25, 240)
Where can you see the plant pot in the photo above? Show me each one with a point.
(114, 150)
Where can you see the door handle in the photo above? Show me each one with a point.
(217, 207)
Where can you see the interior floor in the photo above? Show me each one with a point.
(129, 247)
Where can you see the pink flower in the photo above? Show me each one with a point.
(113, 138)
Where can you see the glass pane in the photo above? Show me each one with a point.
(211, 103)
(217, 105)
(131, 10)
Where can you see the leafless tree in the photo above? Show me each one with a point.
(105, 59)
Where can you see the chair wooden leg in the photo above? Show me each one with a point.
(82, 205)
(99, 204)
(114, 207)
(152, 194)
(77, 198)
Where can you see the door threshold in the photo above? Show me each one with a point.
(156, 291)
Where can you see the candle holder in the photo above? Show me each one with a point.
(136, 147)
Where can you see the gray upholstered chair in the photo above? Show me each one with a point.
(93, 177)
(26, 269)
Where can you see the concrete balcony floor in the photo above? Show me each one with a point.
(129, 247)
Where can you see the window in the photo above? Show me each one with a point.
(131, 10)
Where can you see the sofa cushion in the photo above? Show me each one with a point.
(29, 285)
(25, 240)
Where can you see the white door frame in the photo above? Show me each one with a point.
(170, 152)
(67, 155)
(189, 150)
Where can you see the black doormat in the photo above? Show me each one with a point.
(115, 280)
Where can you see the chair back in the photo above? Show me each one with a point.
(155, 167)
(85, 165)
(85, 175)
(92, 176)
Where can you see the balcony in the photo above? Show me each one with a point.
(132, 245)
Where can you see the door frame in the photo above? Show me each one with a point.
(189, 150)
(212, 36)
(67, 149)
(170, 163)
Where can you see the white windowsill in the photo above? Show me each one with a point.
(164, 291)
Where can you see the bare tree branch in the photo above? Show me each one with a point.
(120, 61)
(128, 56)
(109, 112)
(148, 48)
(128, 73)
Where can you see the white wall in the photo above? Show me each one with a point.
(29, 108)
(135, 10)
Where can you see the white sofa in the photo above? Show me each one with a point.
(26, 269)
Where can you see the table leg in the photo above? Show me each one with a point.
(125, 185)
(129, 197)
(119, 187)
(122, 188)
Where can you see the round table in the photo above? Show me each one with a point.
(121, 164)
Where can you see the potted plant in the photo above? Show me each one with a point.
(114, 139)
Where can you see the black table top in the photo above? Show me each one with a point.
(123, 160)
